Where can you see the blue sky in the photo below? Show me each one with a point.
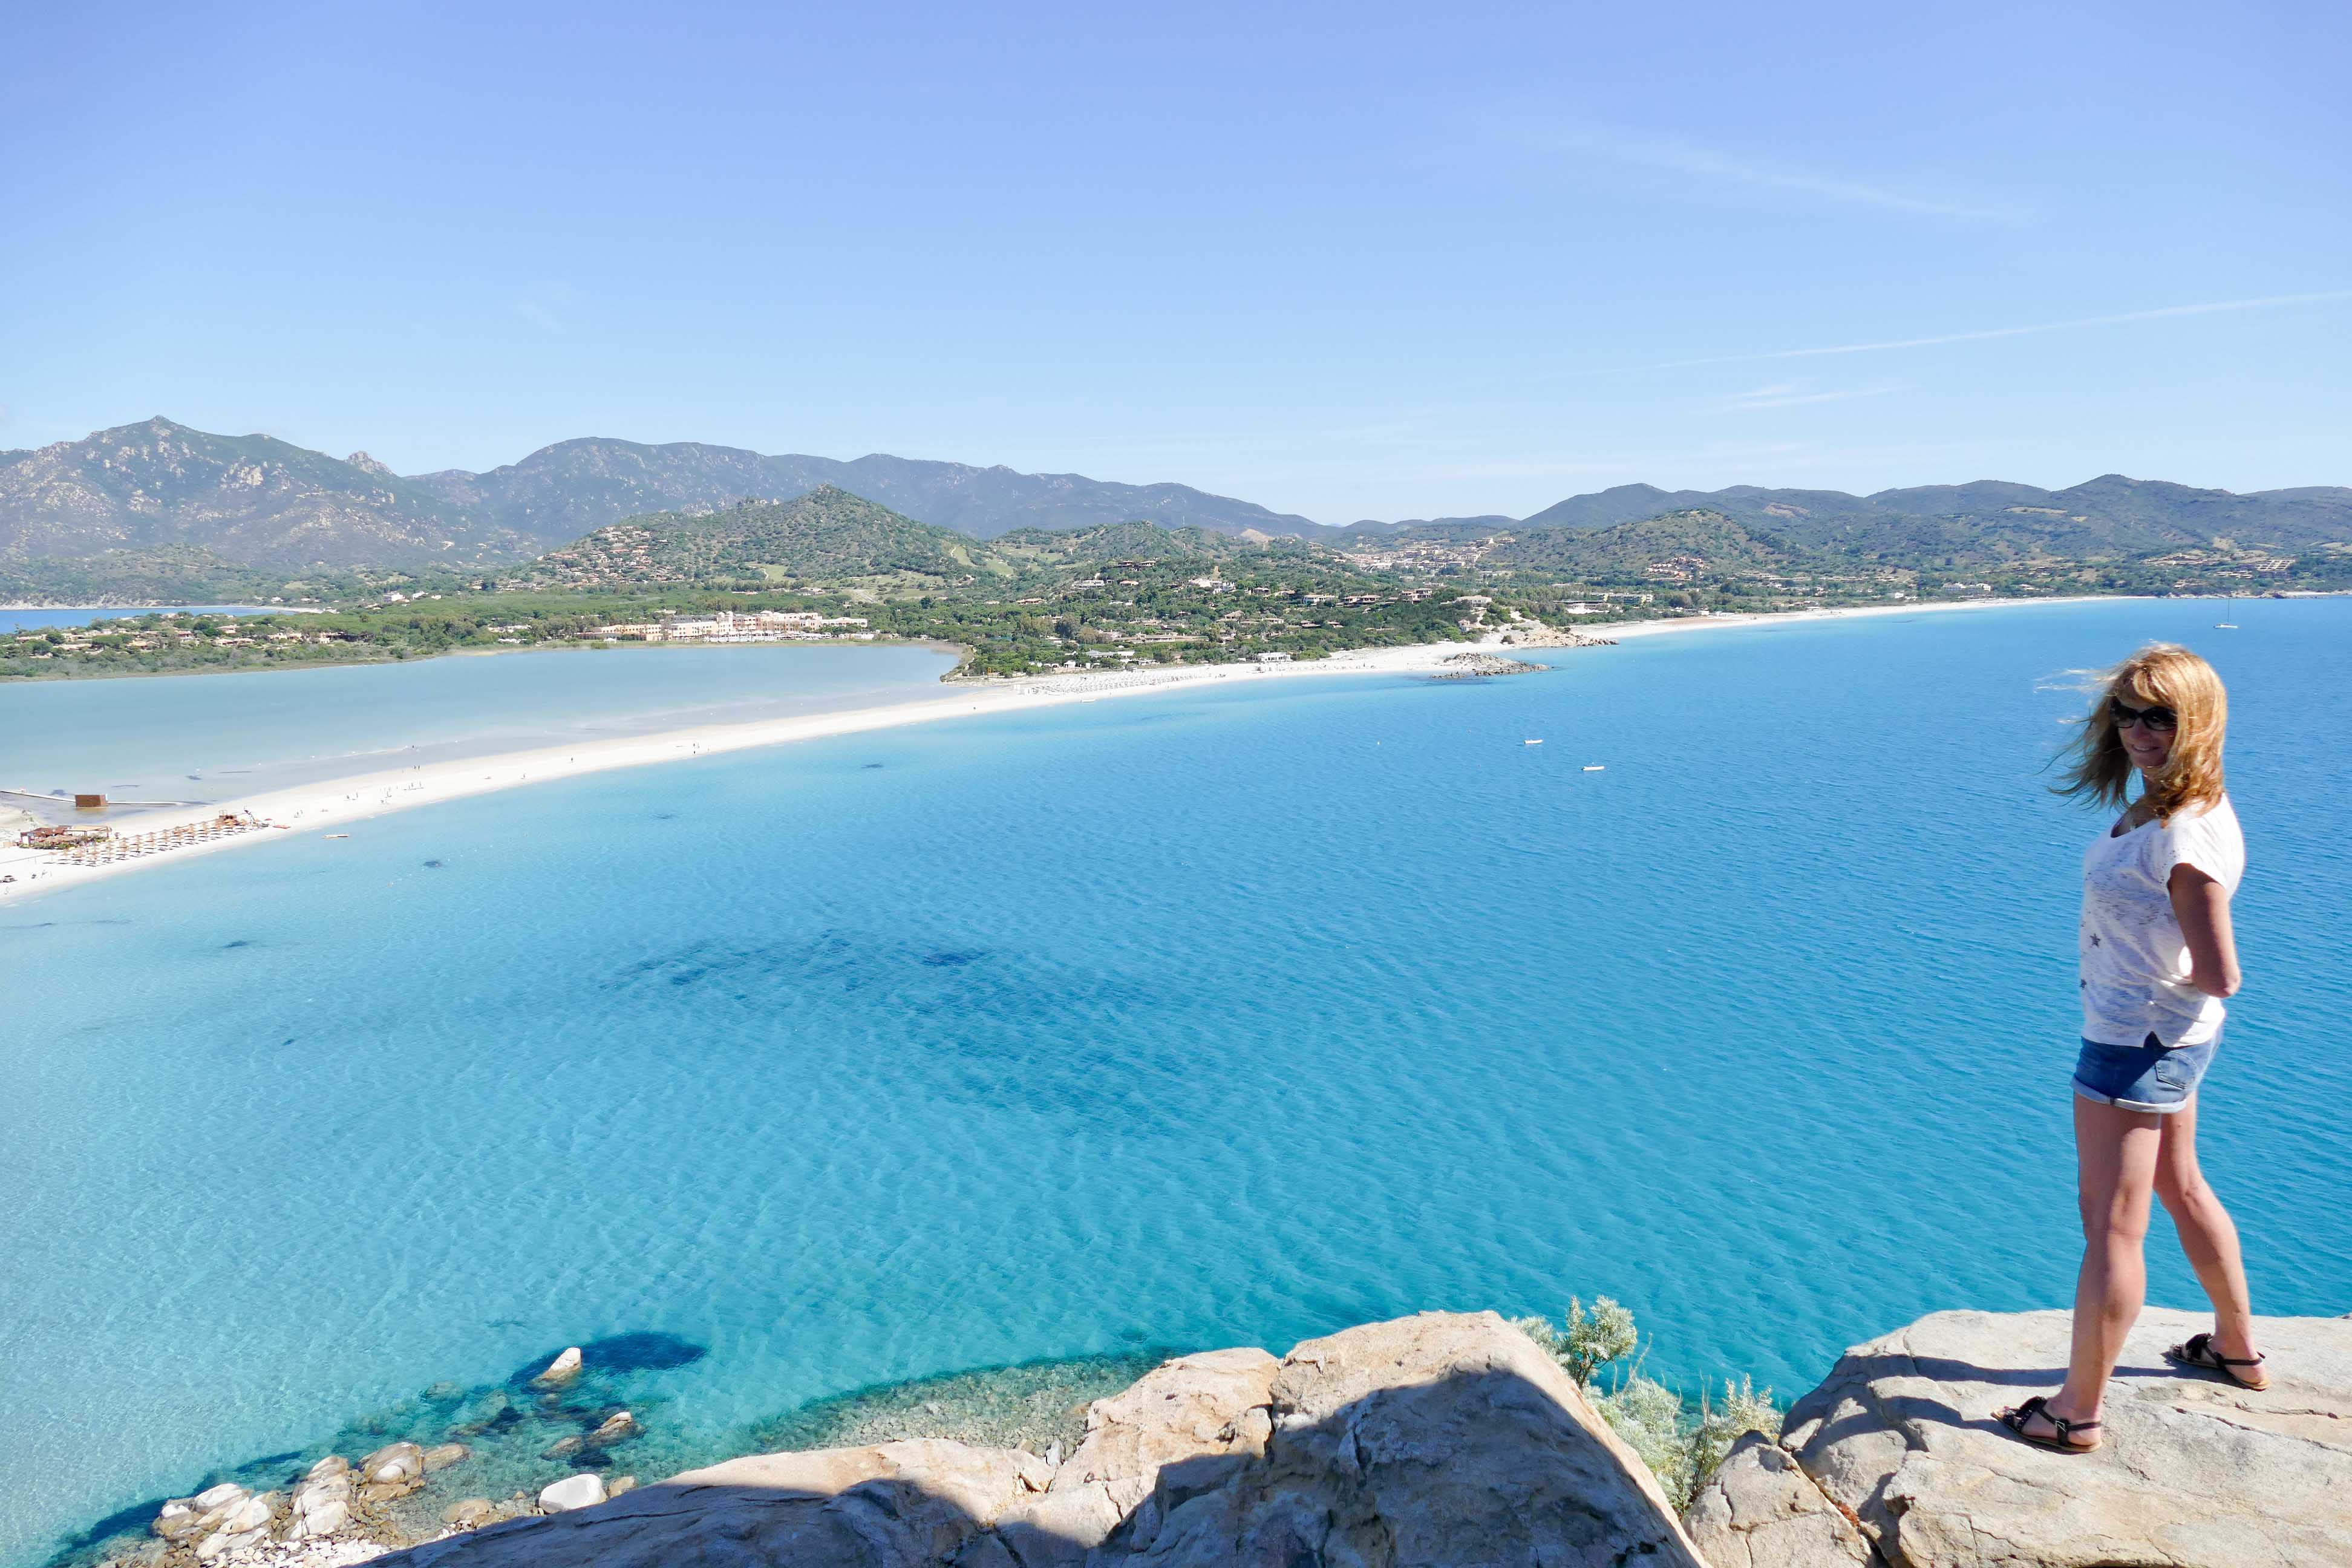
(1353, 261)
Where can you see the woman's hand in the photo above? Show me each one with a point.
(2202, 906)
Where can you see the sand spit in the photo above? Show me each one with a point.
(334, 805)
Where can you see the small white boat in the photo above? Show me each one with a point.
(2225, 626)
(339, 836)
(1596, 767)
(1531, 742)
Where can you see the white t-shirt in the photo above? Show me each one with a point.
(2135, 960)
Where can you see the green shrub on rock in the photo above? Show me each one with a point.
(1682, 1449)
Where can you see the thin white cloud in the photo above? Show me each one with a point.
(1785, 395)
(1755, 176)
(1983, 335)
(549, 305)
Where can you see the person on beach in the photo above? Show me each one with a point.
(2158, 958)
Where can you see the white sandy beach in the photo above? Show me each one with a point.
(334, 805)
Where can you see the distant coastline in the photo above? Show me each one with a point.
(338, 802)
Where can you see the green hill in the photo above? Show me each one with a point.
(825, 536)
(1626, 552)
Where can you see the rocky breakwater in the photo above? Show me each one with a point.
(1440, 1439)
(1896, 1461)
(1478, 666)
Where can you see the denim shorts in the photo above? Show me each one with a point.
(2149, 1076)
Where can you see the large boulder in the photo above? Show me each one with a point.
(322, 1501)
(1759, 1509)
(2195, 1473)
(1429, 1442)
(1197, 1420)
(1442, 1439)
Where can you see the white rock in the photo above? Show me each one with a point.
(563, 1369)
(394, 1464)
(221, 1542)
(322, 1504)
(217, 1497)
(585, 1489)
(179, 1519)
(617, 1427)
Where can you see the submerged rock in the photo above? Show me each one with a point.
(617, 1427)
(442, 1455)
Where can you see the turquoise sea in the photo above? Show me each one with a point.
(1226, 1016)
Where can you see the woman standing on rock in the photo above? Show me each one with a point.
(2158, 958)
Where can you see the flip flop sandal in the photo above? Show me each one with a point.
(2199, 1351)
(2058, 1442)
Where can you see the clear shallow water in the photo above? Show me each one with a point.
(208, 737)
(1212, 1018)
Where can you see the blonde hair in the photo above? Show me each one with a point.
(2169, 675)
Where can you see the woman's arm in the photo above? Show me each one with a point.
(2202, 906)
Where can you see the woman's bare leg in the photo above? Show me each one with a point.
(2207, 1235)
(2115, 1151)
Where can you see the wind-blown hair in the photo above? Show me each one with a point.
(2169, 675)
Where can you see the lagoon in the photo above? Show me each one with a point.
(218, 736)
(1218, 1016)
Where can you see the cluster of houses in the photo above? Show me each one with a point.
(143, 638)
(740, 626)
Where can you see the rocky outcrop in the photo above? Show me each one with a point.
(1761, 1510)
(1438, 1441)
(1434, 1440)
(1478, 666)
(2195, 1473)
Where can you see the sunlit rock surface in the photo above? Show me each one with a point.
(1439, 1439)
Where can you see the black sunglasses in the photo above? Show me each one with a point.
(2154, 717)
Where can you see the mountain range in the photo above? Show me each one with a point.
(158, 501)
(832, 538)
